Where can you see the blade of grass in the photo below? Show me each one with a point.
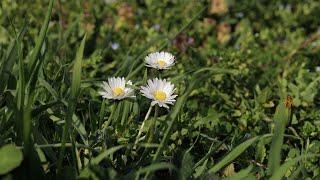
(22, 120)
(106, 153)
(154, 167)
(40, 39)
(76, 75)
(77, 124)
(233, 155)
(75, 88)
(40, 139)
(10, 59)
(45, 84)
(210, 152)
(280, 119)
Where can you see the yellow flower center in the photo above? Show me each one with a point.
(160, 95)
(117, 91)
(161, 63)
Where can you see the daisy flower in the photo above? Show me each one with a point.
(160, 60)
(116, 88)
(160, 91)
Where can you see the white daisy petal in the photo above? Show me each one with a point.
(159, 91)
(160, 60)
(116, 89)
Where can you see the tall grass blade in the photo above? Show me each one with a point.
(233, 155)
(75, 88)
(40, 39)
(280, 119)
(9, 59)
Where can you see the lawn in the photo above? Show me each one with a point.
(172, 89)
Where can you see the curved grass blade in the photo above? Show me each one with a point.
(77, 124)
(154, 167)
(75, 88)
(210, 152)
(10, 59)
(45, 84)
(281, 117)
(40, 39)
(106, 153)
(233, 155)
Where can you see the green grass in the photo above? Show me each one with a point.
(236, 67)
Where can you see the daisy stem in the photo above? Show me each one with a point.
(142, 126)
(152, 130)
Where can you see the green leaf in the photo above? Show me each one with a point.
(201, 169)
(281, 118)
(186, 166)
(11, 157)
(233, 155)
